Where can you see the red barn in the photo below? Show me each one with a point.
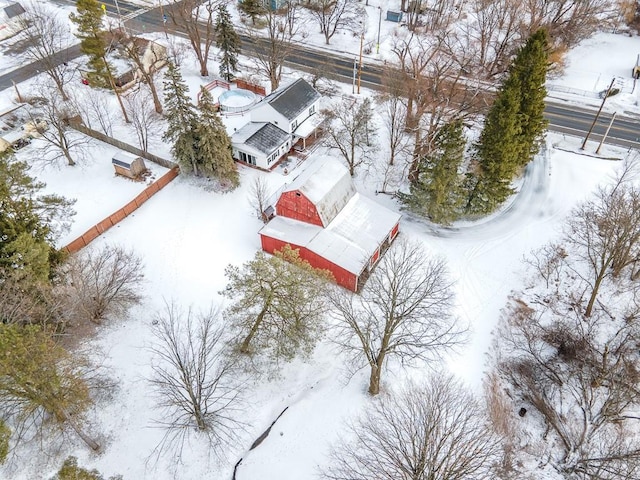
(334, 227)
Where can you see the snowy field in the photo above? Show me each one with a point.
(186, 236)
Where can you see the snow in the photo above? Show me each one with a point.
(327, 184)
(187, 235)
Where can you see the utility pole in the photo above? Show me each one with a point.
(360, 63)
(379, 25)
(606, 95)
(606, 133)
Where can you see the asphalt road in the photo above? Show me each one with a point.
(563, 118)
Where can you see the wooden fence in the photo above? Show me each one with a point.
(122, 145)
(94, 232)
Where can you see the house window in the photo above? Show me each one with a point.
(312, 110)
(294, 125)
(246, 158)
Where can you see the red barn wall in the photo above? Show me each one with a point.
(343, 277)
(296, 205)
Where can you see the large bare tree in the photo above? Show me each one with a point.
(273, 45)
(103, 283)
(432, 430)
(335, 15)
(144, 119)
(348, 128)
(193, 380)
(48, 38)
(51, 119)
(605, 234)
(402, 312)
(197, 19)
(580, 376)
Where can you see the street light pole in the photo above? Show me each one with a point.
(360, 63)
(379, 25)
(606, 133)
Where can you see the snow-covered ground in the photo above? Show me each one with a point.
(187, 235)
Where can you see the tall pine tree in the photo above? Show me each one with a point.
(182, 121)
(214, 144)
(514, 127)
(228, 41)
(530, 67)
(89, 18)
(497, 151)
(438, 192)
(26, 220)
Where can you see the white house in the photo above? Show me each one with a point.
(260, 144)
(284, 118)
(11, 14)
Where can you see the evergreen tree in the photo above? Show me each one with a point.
(182, 120)
(90, 32)
(40, 380)
(277, 304)
(5, 435)
(71, 471)
(228, 41)
(530, 67)
(438, 193)
(252, 9)
(498, 151)
(214, 145)
(26, 222)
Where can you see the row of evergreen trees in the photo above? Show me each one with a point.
(513, 133)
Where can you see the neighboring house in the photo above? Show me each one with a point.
(333, 226)
(10, 19)
(292, 111)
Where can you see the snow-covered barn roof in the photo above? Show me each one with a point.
(327, 184)
(292, 99)
(264, 137)
(348, 241)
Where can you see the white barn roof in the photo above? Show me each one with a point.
(328, 185)
(124, 159)
(348, 241)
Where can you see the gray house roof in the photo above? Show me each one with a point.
(264, 137)
(292, 99)
(14, 10)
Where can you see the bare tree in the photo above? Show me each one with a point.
(393, 119)
(273, 46)
(434, 430)
(95, 109)
(258, 197)
(144, 119)
(103, 283)
(193, 380)
(48, 36)
(147, 57)
(494, 33)
(335, 15)
(605, 234)
(403, 312)
(197, 19)
(278, 303)
(568, 21)
(580, 375)
(51, 119)
(348, 128)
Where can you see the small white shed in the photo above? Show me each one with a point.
(128, 165)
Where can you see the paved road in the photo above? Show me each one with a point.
(563, 118)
